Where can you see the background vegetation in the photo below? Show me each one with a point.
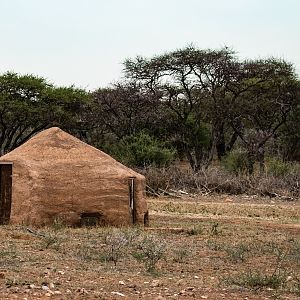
(225, 117)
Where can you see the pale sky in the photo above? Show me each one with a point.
(84, 42)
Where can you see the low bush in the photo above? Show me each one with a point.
(215, 229)
(258, 279)
(195, 230)
(237, 253)
(141, 150)
(116, 244)
(237, 162)
(278, 168)
(51, 239)
(150, 249)
(8, 254)
(88, 253)
(180, 254)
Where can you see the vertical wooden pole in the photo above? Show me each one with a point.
(5, 192)
(132, 207)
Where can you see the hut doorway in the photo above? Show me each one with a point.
(5, 192)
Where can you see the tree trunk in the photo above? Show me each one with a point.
(190, 157)
(198, 158)
(232, 141)
(220, 140)
(251, 162)
(261, 160)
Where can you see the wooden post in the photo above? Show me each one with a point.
(5, 192)
(131, 183)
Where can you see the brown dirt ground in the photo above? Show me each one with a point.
(206, 238)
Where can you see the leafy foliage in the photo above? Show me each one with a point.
(236, 162)
(278, 167)
(142, 150)
(150, 250)
(199, 104)
(28, 104)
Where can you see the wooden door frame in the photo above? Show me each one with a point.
(5, 191)
(132, 196)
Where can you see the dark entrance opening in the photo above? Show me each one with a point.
(5, 191)
(131, 183)
(89, 219)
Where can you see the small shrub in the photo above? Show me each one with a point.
(276, 250)
(181, 254)
(257, 280)
(116, 242)
(171, 207)
(294, 252)
(215, 229)
(278, 168)
(8, 254)
(16, 281)
(58, 224)
(195, 230)
(237, 162)
(150, 250)
(132, 234)
(297, 287)
(51, 240)
(214, 245)
(87, 253)
(142, 150)
(237, 253)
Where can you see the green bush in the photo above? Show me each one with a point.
(237, 253)
(257, 280)
(116, 243)
(141, 150)
(180, 255)
(195, 230)
(150, 250)
(278, 167)
(237, 162)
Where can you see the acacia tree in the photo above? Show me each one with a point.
(270, 92)
(211, 90)
(191, 84)
(121, 110)
(67, 107)
(288, 137)
(28, 104)
(20, 109)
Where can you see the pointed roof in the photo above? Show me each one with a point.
(55, 146)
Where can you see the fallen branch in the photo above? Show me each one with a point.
(164, 192)
(151, 191)
(35, 232)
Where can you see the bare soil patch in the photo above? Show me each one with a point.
(219, 247)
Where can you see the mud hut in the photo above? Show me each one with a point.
(55, 176)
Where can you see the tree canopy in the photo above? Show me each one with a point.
(29, 104)
(201, 102)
